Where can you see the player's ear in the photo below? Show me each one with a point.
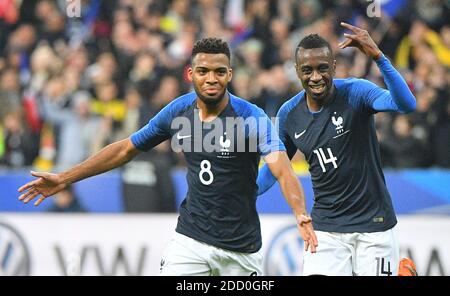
(230, 74)
(190, 73)
(297, 70)
(334, 67)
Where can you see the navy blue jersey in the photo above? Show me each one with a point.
(222, 158)
(341, 147)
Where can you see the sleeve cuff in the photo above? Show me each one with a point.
(381, 59)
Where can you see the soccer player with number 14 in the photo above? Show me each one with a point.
(332, 123)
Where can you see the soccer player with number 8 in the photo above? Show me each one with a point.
(218, 230)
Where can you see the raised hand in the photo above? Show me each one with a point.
(361, 40)
(304, 224)
(46, 185)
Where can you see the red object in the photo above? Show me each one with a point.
(31, 109)
(8, 11)
(102, 29)
(407, 267)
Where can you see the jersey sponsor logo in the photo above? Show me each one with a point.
(180, 137)
(299, 135)
(14, 255)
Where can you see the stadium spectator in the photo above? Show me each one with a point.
(18, 147)
(275, 87)
(404, 149)
(147, 182)
(442, 132)
(10, 92)
(145, 74)
(66, 201)
(76, 128)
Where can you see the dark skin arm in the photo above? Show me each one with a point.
(361, 40)
(47, 184)
(280, 166)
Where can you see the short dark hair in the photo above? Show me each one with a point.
(211, 45)
(313, 41)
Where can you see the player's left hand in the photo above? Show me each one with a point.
(361, 40)
(304, 224)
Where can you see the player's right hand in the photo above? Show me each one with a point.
(46, 185)
(360, 39)
(304, 224)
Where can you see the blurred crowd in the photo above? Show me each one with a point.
(78, 75)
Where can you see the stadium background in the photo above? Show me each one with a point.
(78, 75)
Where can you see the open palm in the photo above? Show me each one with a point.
(46, 185)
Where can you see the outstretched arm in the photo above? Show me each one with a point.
(399, 98)
(110, 157)
(280, 166)
(47, 184)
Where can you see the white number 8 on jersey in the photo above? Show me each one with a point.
(205, 166)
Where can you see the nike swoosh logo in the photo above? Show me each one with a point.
(299, 135)
(179, 137)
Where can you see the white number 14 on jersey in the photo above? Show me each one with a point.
(324, 160)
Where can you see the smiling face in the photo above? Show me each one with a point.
(210, 74)
(315, 68)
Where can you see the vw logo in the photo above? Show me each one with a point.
(14, 255)
(284, 254)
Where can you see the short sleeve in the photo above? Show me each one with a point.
(155, 131)
(267, 135)
(284, 137)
